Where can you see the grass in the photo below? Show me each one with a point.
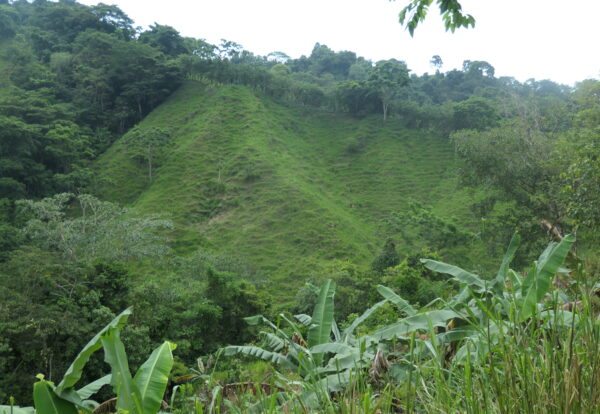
(286, 189)
(547, 362)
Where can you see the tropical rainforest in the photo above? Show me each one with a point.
(272, 234)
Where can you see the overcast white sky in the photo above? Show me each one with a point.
(541, 39)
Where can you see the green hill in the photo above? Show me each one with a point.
(288, 189)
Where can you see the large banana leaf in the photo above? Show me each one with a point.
(93, 387)
(402, 304)
(461, 299)
(335, 330)
(474, 350)
(350, 330)
(47, 402)
(334, 348)
(508, 257)
(515, 279)
(336, 382)
(152, 377)
(216, 396)
(304, 319)
(461, 275)
(559, 318)
(322, 318)
(422, 321)
(65, 388)
(475, 340)
(289, 322)
(346, 357)
(128, 395)
(274, 342)
(15, 409)
(258, 352)
(459, 334)
(537, 283)
(257, 319)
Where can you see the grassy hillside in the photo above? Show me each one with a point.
(288, 189)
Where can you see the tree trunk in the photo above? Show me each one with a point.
(139, 104)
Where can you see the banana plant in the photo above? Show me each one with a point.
(307, 356)
(15, 409)
(141, 394)
(483, 308)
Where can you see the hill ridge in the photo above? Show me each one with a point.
(286, 188)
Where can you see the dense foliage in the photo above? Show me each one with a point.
(498, 345)
(73, 79)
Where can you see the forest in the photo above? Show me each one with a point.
(189, 227)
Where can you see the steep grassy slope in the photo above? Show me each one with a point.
(287, 189)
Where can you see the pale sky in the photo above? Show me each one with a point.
(541, 39)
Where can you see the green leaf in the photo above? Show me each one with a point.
(65, 388)
(459, 274)
(515, 241)
(322, 318)
(289, 322)
(15, 409)
(261, 353)
(47, 402)
(152, 377)
(334, 348)
(461, 298)
(216, 396)
(128, 396)
(529, 279)
(538, 281)
(350, 330)
(347, 361)
(422, 321)
(559, 318)
(515, 279)
(337, 336)
(304, 319)
(93, 387)
(474, 349)
(458, 334)
(402, 304)
(336, 382)
(255, 320)
(274, 342)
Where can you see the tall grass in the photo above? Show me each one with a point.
(530, 370)
(548, 362)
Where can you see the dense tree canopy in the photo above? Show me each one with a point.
(75, 78)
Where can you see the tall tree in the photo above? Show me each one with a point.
(100, 231)
(165, 38)
(146, 142)
(475, 113)
(387, 77)
(436, 62)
